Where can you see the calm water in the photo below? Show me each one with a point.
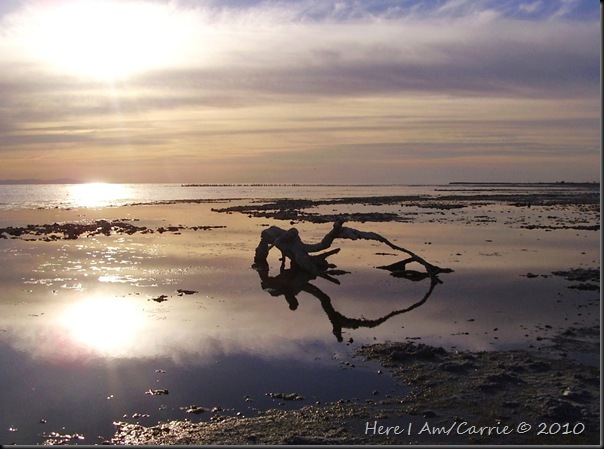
(83, 337)
(102, 195)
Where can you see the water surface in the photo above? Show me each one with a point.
(88, 326)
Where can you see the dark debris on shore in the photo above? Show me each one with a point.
(494, 388)
(73, 231)
(302, 209)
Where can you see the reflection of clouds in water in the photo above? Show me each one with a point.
(106, 325)
(118, 327)
(199, 329)
(232, 315)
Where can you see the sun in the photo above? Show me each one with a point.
(97, 194)
(107, 40)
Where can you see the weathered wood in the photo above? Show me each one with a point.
(293, 248)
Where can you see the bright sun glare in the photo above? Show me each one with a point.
(106, 40)
(96, 194)
(104, 324)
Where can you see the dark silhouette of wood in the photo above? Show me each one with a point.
(299, 253)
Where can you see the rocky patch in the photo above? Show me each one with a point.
(73, 231)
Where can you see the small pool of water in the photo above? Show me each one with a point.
(86, 397)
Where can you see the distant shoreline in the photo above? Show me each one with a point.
(462, 183)
(556, 183)
(269, 184)
(18, 182)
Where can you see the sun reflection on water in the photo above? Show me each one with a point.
(107, 325)
(96, 194)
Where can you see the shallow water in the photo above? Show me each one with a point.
(88, 326)
(94, 195)
(34, 196)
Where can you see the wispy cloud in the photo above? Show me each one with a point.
(230, 67)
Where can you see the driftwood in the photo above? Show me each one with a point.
(299, 253)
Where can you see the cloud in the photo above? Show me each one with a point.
(292, 63)
(530, 7)
(265, 81)
(266, 48)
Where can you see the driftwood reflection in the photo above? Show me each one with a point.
(290, 282)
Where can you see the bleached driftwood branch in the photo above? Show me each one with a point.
(293, 248)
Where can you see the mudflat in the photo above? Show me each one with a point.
(510, 339)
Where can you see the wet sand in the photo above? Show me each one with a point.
(497, 397)
(553, 383)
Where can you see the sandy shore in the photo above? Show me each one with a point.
(469, 392)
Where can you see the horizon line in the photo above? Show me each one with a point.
(33, 181)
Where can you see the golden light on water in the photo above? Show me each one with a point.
(96, 194)
(107, 325)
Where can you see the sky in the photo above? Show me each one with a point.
(301, 91)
